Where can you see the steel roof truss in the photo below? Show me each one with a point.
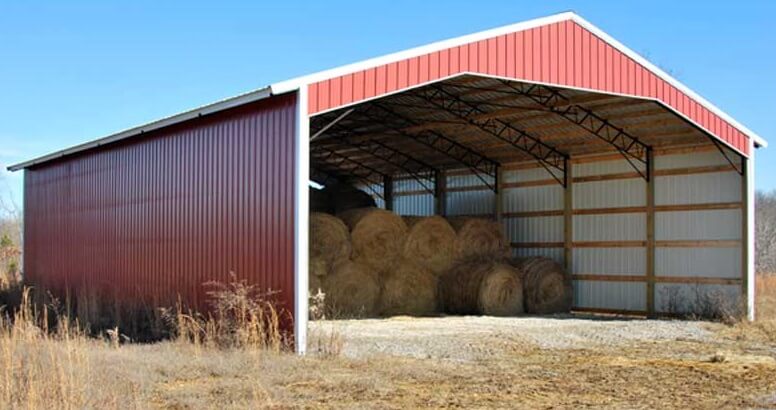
(547, 156)
(631, 148)
(357, 169)
(406, 163)
(479, 164)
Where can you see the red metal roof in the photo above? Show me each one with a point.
(562, 53)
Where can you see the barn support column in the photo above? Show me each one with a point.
(388, 192)
(440, 193)
(498, 200)
(650, 268)
(568, 218)
(747, 240)
(301, 222)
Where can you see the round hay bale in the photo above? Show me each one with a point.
(478, 236)
(430, 243)
(501, 292)
(329, 243)
(377, 236)
(547, 286)
(409, 289)
(481, 285)
(411, 220)
(352, 290)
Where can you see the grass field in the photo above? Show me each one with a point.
(729, 366)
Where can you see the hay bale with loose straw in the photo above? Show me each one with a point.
(352, 290)
(481, 285)
(329, 243)
(431, 243)
(411, 220)
(409, 289)
(377, 236)
(478, 236)
(547, 286)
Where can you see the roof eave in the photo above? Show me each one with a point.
(222, 105)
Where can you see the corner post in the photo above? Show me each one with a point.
(301, 222)
(747, 240)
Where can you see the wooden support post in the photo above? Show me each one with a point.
(568, 219)
(388, 192)
(650, 268)
(440, 193)
(498, 200)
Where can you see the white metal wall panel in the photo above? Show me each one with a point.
(698, 262)
(610, 227)
(470, 203)
(536, 198)
(467, 180)
(610, 295)
(695, 159)
(410, 184)
(698, 188)
(690, 298)
(422, 205)
(541, 229)
(609, 261)
(525, 175)
(602, 168)
(722, 224)
(608, 194)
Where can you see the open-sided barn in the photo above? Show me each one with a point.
(582, 149)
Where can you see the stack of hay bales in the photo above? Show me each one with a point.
(351, 288)
(547, 286)
(370, 261)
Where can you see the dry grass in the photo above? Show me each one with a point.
(229, 360)
(763, 329)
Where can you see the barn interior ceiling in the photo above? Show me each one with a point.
(480, 123)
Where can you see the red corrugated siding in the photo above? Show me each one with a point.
(561, 53)
(161, 215)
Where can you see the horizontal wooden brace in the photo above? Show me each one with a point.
(702, 280)
(521, 245)
(717, 243)
(609, 244)
(532, 214)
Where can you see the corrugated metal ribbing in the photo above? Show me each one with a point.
(149, 220)
(562, 53)
(610, 295)
(702, 243)
(410, 198)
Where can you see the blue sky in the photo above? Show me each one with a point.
(75, 71)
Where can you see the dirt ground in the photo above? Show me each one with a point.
(558, 362)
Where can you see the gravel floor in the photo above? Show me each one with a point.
(475, 337)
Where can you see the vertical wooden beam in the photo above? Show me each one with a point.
(440, 193)
(388, 192)
(568, 218)
(650, 268)
(498, 200)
